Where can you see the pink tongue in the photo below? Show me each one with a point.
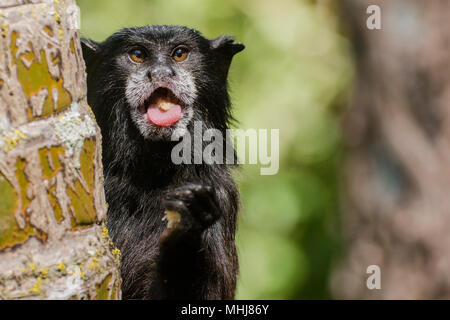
(164, 118)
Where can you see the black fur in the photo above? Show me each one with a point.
(197, 259)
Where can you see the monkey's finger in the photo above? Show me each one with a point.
(175, 205)
(179, 193)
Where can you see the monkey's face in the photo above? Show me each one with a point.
(169, 76)
(161, 85)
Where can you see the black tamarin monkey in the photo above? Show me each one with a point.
(145, 84)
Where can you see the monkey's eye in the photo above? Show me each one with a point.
(137, 55)
(180, 54)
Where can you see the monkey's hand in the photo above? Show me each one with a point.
(190, 210)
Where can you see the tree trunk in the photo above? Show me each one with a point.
(396, 177)
(53, 242)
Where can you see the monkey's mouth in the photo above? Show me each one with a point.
(163, 108)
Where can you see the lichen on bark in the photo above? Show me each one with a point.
(52, 207)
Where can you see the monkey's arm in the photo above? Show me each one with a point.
(182, 263)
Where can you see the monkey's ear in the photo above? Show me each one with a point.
(226, 45)
(225, 48)
(90, 49)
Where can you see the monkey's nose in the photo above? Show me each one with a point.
(161, 73)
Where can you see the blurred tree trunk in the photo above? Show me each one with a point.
(396, 179)
(52, 241)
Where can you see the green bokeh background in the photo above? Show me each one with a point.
(293, 76)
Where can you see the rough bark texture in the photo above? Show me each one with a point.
(396, 178)
(53, 244)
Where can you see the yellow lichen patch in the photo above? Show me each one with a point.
(98, 253)
(28, 55)
(115, 291)
(57, 211)
(82, 206)
(14, 48)
(60, 34)
(50, 162)
(48, 30)
(106, 237)
(82, 274)
(37, 78)
(36, 288)
(72, 46)
(116, 252)
(8, 205)
(95, 266)
(3, 28)
(61, 267)
(103, 288)
(57, 17)
(20, 134)
(10, 232)
(55, 59)
(105, 233)
(51, 165)
(82, 199)
(12, 140)
(87, 162)
(23, 183)
(44, 272)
